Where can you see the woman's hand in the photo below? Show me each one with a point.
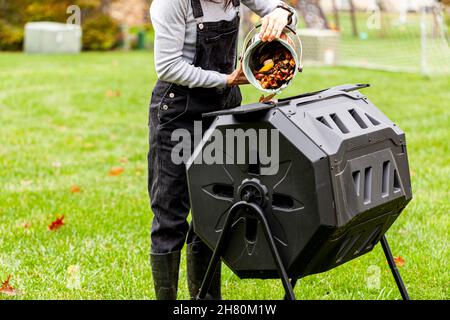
(237, 78)
(273, 24)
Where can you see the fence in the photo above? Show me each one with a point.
(393, 35)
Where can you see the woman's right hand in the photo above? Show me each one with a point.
(237, 78)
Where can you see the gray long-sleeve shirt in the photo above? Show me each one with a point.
(176, 34)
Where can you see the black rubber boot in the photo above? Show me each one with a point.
(198, 256)
(165, 269)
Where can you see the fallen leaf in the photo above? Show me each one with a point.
(112, 93)
(123, 160)
(75, 189)
(116, 171)
(58, 223)
(399, 261)
(6, 287)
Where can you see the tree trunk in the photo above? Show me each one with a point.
(353, 17)
(336, 15)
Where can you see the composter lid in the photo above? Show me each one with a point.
(302, 98)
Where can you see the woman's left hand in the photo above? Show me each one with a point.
(273, 24)
(237, 78)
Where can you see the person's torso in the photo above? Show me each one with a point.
(212, 12)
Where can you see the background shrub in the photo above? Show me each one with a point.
(11, 37)
(100, 32)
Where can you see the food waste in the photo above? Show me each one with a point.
(273, 65)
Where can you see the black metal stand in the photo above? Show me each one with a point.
(236, 210)
(398, 278)
(251, 208)
(395, 272)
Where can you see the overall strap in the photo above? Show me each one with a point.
(197, 9)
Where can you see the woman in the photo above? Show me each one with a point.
(195, 58)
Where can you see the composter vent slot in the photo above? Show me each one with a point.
(357, 181)
(385, 178)
(397, 186)
(374, 121)
(370, 181)
(370, 242)
(251, 229)
(348, 245)
(223, 190)
(324, 121)
(368, 185)
(282, 201)
(358, 119)
(339, 123)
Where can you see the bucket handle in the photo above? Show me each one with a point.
(258, 25)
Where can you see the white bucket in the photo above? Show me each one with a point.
(253, 42)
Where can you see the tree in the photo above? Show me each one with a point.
(312, 13)
(353, 18)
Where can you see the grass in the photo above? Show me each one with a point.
(59, 129)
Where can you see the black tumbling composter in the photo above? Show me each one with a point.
(298, 187)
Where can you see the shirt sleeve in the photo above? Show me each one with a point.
(169, 22)
(265, 7)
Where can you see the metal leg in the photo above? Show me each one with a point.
(221, 245)
(273, 248)
(293, 284)
(218, 252)
(395, 272)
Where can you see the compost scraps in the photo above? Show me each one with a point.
(273, 65)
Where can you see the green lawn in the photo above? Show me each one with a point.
(60, 128)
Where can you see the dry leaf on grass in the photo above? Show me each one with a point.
(112, 93)
(116, 171)
(6, 287)
(399, 261)
(58, 223)
(75, 189)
